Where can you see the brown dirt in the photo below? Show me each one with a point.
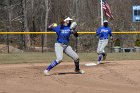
(111, 77)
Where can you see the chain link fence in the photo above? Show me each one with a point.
(84, 43)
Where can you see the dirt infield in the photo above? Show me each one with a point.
(111, 77)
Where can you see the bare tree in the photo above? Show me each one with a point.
(47, 8)
(26, 29)
(8, 3)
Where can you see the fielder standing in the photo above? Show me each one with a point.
(63, 31)
(103, 34)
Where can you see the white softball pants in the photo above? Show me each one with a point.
(101, 46)
(60, 49)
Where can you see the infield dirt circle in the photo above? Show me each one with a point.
(111, 77)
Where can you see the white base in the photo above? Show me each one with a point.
(90, 64)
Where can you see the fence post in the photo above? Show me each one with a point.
(76, 47)
(42, 38)
(8, 43)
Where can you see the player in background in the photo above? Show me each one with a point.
(103, 34)
(64, 31)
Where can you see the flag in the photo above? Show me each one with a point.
(107, 9)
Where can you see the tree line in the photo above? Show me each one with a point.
(36, 15)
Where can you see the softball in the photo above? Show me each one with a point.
(54, 24)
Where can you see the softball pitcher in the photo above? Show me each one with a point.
(103, 33)
(64, 30)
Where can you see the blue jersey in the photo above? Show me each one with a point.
(103, 32)
(63, 33)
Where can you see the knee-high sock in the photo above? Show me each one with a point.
(100, 57)
(77, 65)
(52, 65)
(104, 54)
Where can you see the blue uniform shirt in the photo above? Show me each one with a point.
(103, 32)
(63, 33)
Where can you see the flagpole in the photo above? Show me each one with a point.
(101, 13)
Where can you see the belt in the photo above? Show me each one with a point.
(62, 43)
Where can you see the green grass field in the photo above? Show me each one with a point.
(37, 57)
